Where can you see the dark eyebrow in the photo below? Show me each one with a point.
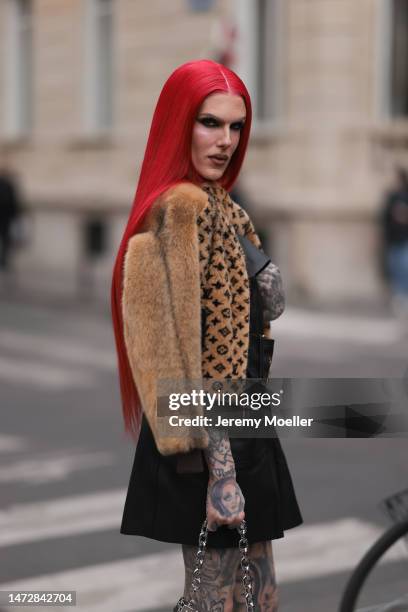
(220, 120)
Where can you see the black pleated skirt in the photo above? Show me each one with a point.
(170, 507)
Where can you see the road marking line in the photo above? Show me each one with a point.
(356, 330)
(328, 548)
(304, 553)
(11, 444)
(61, 348)
(51, 469)
(60, 517)
(50, 377)
(121, 585)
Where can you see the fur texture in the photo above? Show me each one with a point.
(161, 306)
(186, 256)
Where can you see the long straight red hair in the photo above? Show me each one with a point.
(166, 162)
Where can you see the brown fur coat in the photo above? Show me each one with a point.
(175, 265)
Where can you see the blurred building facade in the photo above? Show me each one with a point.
(79, 80)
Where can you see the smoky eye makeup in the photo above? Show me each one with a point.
(213, 122)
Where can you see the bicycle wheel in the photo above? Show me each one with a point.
(367, 563)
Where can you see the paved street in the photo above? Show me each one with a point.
(65, 465)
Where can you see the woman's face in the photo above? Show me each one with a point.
(230, 498)
(216, 132)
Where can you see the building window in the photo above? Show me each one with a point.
(259, 53)
(18, 68)
(399, 59)
(99, 66)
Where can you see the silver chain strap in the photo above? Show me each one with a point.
(183, 605)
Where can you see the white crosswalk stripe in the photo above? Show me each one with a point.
(41, 375)
(327, 548)
(325, 326)
(307, 552)
(51, 363)
(147, 582)
(61, 517)
(11, 444)
(60, 348)
(56, 467)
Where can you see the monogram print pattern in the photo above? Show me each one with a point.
(224, 284)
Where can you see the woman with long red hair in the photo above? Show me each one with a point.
(192, 296)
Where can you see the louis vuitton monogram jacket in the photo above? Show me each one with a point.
(185, 259)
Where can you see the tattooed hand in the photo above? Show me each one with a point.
(225, 502)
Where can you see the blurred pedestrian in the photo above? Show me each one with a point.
(10, 211)
(395, 229)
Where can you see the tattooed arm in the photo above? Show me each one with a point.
(225, 502)
(273, 296)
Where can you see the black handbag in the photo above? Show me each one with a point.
(184, 605)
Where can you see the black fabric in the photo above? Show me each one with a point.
(260, 349)
(255, 259)
(170, 507)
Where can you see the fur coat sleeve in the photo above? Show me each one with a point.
(161, 307)
(166, 266)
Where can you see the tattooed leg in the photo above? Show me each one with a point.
(262, 568)
(217, 577)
